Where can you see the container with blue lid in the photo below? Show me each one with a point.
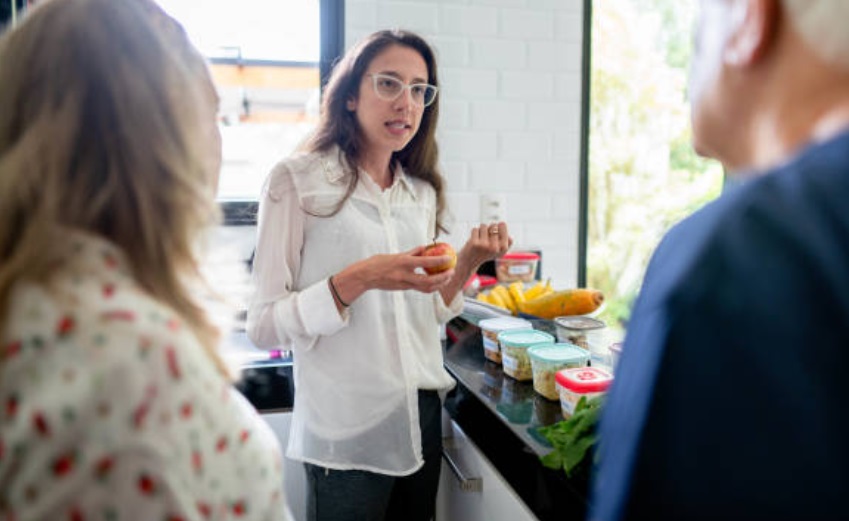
(547, 359)
(514, 347)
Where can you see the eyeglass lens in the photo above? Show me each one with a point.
(390, 88)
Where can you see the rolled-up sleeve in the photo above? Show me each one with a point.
(445, 313)
(278, 315)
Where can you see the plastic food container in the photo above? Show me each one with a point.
(514, 351)
(516, 266)
(615, 352)
(586, 333)
(573, 384)
(547, 359)
(490, 328)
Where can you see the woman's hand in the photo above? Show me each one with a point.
(391, 272)
(486, 242)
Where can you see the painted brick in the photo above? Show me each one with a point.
(550, 176)
(498, 115)
(498, 176)
(554, 116)
(567, 147)
(456, 175)
(457, 145)
(554, 55)
(524, 145)
(499, 54)
(565, 207)
(527, 86)
(503, 3)
(523, 23)
(547, 233)
(361, 13)
(409, 15)
(561, 266)
(468, 84)
(468, 20)
(568, 86)
(464, 206)
(453, 114)
(568, 26)
(528, 206)
(451, 51)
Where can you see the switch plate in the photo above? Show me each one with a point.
(492, 208)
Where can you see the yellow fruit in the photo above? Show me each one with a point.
(515, 290)
(535, 291)
(566, 302)
(504, 295)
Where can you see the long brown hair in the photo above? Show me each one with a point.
(101, 111)
(338, 126)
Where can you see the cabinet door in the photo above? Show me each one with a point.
(494, 501)
(294, 478)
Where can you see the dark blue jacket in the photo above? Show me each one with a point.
(731, 400)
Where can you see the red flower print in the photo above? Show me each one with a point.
(75, 515)
(186, 410)
(204, 509)
(12, 405)
(65, 326)
(12, 349)
(103, 467)
(173, 324)
(108, 290)
(110, 261)
(221, 444)
(141, 412)
(197, 461)
(173, 366)
(146, 485)
(64, 464)
(239, 508)
(244, 435)
(40, 424)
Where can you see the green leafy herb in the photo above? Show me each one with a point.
(573, 439)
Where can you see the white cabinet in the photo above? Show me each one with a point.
(494, 501)
(294, 477)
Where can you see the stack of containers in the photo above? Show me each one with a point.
(548, 359)
(491, 327)
(514, 351)
(586, 333)
(573, 384)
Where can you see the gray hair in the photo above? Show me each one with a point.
(822, 24)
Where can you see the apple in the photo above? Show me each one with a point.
(439, 249)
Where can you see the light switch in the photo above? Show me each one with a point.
(493, 208)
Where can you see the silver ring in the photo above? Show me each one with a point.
(493, 231)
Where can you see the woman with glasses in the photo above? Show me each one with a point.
(340, 280)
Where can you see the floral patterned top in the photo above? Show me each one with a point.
(111, 410)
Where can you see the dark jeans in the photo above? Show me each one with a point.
(357, 495)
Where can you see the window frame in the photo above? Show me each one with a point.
(243, 212)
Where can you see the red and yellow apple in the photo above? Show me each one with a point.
(440, 249)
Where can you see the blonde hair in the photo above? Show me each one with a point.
(822, 24)
(101, 111)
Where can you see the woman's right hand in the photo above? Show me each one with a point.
(391, 272)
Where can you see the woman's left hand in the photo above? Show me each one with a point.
(486, 242)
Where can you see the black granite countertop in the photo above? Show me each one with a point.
(502, 417)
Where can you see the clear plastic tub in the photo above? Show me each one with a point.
(516, 266)
(546, 360)
(491, 327)
(573, 384)
(586, 333)
(514, 351)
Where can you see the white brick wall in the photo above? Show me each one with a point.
(510, 91)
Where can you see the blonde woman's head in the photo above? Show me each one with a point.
(107, 125)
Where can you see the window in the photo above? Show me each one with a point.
(642, 175)
(267, 58)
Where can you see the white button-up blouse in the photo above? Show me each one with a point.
(356, 375)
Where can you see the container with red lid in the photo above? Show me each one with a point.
(575, 383)
(516, 266)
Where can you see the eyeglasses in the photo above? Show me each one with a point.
(390, 88)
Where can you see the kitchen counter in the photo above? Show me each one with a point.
(502, 417)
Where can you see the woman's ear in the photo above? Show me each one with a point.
(351, 104)
(753, 27)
